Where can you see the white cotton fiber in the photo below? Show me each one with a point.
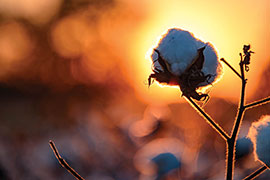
(179, 48)
(259, 133)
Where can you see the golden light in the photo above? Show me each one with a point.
(228, 25)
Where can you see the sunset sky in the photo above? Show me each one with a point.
(76, 72)
(125, 33)
(227, 24)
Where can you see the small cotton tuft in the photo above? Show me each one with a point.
(259, 134)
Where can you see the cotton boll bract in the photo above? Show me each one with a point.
(211, 64)
(181, 59)
(259, 134)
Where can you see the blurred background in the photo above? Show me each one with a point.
(75, 72)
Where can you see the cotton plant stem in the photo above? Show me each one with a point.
(231, 141)
(64, 163)
(216, 127)
(256, 173)
(223, 60)
(257, 103)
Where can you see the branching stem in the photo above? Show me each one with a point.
(236, 127)
(231, 140)
(63, 162)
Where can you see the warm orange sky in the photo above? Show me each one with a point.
(126, 32)
(227, 24)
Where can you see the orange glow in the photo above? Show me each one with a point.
(75, 38)
(146, 125)
(38, 12)
(15, 45)
(228, 25)
(71, 36)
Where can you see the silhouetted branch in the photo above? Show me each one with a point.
(222, 59)
(231, 141)
(209, 119)
(63, 162)
(258, 103)
(256, 173)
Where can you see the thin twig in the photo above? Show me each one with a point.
(63, 162)
(222, 59)
(209, 119)
(258, 103)
(256, 173)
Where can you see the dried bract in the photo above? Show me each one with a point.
(247, 54)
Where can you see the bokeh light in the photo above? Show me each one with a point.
(37, 12)
(15, 47)
(76, 72)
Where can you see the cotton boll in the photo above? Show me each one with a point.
(179, 48)
(183, 60)
(259, 134)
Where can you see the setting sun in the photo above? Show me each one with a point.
(227, 25)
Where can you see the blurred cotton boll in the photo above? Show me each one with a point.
(165, 162)
(243, 147)
(158, 157)
(259, 134)
(180, 50)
